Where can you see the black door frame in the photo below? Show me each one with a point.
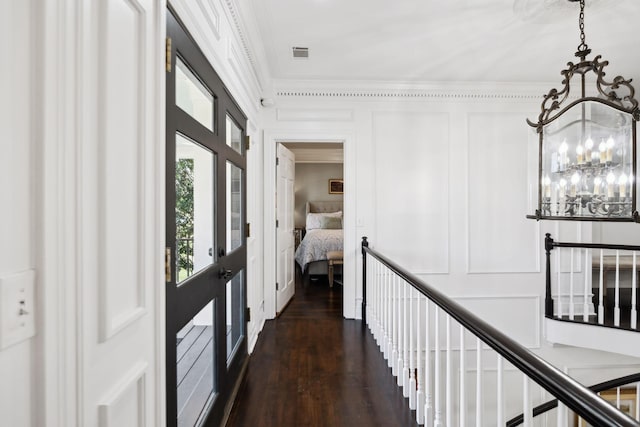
(184, 301)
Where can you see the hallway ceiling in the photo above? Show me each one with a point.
(452, 40)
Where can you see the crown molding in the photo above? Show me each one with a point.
(358, 90)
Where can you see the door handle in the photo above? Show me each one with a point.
(224, 273)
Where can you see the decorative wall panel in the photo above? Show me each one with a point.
(125, 404)
(500, 238)
(412, 189)
(518, 316)
(121, 123)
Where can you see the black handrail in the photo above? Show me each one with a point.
(549, 245)
(597, 388)
(579, 398)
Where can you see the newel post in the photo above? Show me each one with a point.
(365, 245)
(548, 300)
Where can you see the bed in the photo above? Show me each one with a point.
(323, 234)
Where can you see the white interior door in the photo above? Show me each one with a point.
(284, 216)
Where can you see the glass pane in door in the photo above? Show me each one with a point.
(193, 97)
(195, 167)
(234, 135)
(234, 207)
(235, 313)
(195, 366)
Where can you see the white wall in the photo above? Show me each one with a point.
(18, 220)
(312, 184)
(442, 179)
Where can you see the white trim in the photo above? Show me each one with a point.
(271, 139)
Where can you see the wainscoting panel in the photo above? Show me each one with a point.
(411, 152)
(124, 406)
(211, 15)
(500, 239)
(120, 159)
(518, 316)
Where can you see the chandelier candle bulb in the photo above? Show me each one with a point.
(561, 189)
(622, 181)
(588, 155)
(575, 179)
(602, 148)
(546, 182)
(563, 154)
(610, 145)
(580, 154)
(597, 182)
(611, 179)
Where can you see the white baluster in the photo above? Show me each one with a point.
(527, 415)
(400, 360)
(428, 403)
(601, 290)
(559, 285)
(561, 415)
(479, 368)
(385, 320)
(391, 277)
(437, 412)
(448, 380)
(412, 363)
(618, 397)
(419, 371)
(405, 347)
(616, 308)
(395, 328)
(587, 279)
(378, 304)
(500, 392)
(634, 284)
(462, 401)
(571, 307)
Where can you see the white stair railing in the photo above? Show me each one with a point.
(609, 270)
(434, 363)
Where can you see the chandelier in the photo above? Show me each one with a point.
(587, 146)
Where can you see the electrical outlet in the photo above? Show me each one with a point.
(16, 308)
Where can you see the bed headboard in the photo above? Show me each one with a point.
(321, 207)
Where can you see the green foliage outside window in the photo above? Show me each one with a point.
(184, 217)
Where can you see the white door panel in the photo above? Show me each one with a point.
(285, 239)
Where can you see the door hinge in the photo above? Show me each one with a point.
(247, 143)
(248, 230)
(277, 223)
(248, 315)
(277, 286)
(167, 264)
(168, 54)
(277, 161)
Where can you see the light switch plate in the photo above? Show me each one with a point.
(17, 308)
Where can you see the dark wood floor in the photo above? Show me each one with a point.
(311, 367)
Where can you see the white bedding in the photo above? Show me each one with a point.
(315, 245)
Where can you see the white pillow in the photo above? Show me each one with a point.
(330, 220)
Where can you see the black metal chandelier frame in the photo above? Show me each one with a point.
(618, 94)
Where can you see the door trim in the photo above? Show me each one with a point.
(352, 279)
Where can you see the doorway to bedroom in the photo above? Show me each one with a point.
(309, 204)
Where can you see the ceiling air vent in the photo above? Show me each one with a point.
(300, 53)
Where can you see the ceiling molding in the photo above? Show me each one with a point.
(404, 94)
(419, 91)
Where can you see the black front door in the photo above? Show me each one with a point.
(206, 244)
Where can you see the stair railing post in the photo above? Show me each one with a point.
(548, 300)
(365, 244)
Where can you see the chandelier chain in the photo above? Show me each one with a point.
(583, 45)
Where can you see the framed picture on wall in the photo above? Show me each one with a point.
(335, 186)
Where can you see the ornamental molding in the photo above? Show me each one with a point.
(416, 94)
